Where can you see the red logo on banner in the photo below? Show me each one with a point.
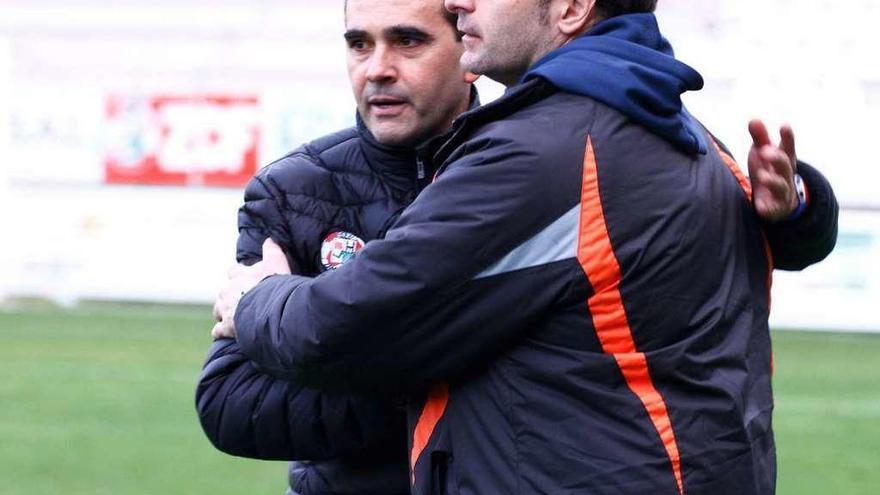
(182, 140)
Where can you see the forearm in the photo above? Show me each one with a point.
(248, 413)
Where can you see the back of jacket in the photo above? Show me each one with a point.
(644, 362)
(644, 365)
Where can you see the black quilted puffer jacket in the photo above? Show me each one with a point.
(345, 187)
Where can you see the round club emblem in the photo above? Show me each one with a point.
(339, 248)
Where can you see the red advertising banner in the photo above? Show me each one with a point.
(203, 140)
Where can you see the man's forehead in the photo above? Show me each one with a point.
(379, 15)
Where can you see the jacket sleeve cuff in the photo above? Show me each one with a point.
(810, 237)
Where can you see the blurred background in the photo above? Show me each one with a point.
(128, 128)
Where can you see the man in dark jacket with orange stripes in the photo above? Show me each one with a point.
(585, 284)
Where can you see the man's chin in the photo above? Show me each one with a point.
(389, 134)
(471, 62)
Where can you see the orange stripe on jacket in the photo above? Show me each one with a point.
(596, 256)
(435, 407)
(737, 172)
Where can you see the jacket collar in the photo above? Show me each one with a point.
(386, 159)
(514, 99)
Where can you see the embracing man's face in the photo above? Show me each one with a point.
(403, 63)
(502, 38)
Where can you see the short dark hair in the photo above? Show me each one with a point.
(451, 18)
(606, 9)
(612, 8)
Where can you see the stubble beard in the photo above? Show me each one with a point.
(508, 58)
(506, 61)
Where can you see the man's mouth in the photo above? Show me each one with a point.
(381, 101)
(386, 106)
(465, 30)
(466, 35)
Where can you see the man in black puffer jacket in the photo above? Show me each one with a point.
(322, 202)
(346, 187)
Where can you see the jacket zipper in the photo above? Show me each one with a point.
(420, 168)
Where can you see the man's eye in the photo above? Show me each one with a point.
(408, 42)
(357, 45)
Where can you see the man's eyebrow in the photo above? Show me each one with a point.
(403, 31)
(355, 34)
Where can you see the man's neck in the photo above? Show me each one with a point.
(514, 76)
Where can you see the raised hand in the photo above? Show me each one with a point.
(771, 171)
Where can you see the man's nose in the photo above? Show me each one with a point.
(459, 6)
(381, 65)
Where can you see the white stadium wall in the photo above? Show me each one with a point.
(130, 129)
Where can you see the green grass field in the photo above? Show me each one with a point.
(100, 401)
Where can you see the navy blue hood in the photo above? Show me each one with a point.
(626, 63)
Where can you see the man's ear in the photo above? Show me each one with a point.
(577, 17)
(470, 77)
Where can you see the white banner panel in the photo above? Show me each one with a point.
(842, 292)
(121, 243)
(56, 136)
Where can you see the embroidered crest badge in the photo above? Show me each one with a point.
(339, 248)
